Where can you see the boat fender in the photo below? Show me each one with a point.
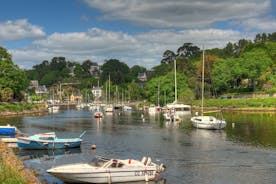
(129, 161)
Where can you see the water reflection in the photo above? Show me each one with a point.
(191, 155)
(45, 154)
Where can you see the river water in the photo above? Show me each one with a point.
(245, 152)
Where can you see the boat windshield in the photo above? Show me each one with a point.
(116, 164)
(98, 161)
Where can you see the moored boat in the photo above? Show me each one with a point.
(98, 114)
(48, 141)
(104, 170)
(203, 121)
(7, 130)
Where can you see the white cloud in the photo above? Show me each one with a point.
(144, 49)
(267, 24)
(19, 29)
(179, 13)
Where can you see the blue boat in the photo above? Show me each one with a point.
(48, 141)
(7, 130)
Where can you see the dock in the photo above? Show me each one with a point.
(10, 142)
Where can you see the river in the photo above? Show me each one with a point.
(245, 152)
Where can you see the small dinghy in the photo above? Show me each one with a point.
(103, 170)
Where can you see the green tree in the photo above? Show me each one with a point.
(6, 94)
(254, 63)
(167, 87)
(11, 76)
(119, 72)
(137, 69)
(136, 91)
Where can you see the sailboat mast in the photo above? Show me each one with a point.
(108, 89)
(202, 83)
(158, 93)
(175, 83)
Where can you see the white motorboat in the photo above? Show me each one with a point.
(103, 170)
(207, 122)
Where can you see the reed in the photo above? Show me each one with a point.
(9, 175)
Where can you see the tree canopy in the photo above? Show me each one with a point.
(13, 80)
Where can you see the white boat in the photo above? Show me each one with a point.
(175, 110)
(152, 109)
(127, 108)
(179, 109)
(53, 109)
(207, 122)
(103, 170)
(98, 114)
(109, 108)
(170, 115)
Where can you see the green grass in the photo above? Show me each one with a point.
(238, 102)
(8, 175)
(17, 107)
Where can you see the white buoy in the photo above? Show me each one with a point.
(93, 147)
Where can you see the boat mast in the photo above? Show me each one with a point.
(202, 83)
(175, 84)
(108, 89)
(158, 93)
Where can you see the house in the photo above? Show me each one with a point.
(97, 92)
(39, 89)
(95, 70)
(142, 76)
(75, 97)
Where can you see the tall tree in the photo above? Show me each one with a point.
(119, 72)
(11, 76)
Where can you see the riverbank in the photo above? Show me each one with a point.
(13, 109)
(238, 104)
(12, 170)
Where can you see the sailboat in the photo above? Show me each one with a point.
(207, 122)
(98, 113)
(174, 110)
(109, 108)
(53, 108)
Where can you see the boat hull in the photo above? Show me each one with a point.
(29, 144)
(7, 130)
(215, 124)
(107, 176)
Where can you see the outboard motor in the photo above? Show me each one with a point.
(161, 168)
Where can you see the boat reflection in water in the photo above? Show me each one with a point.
(46, 154)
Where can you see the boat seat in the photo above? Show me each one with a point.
(144, 160)
(148, 161)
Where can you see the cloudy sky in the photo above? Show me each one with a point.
(133, 31)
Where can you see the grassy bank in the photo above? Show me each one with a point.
(9, 175)
(238, 103)
(18, 107)
(12, 170)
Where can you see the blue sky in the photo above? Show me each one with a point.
(133, 31)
